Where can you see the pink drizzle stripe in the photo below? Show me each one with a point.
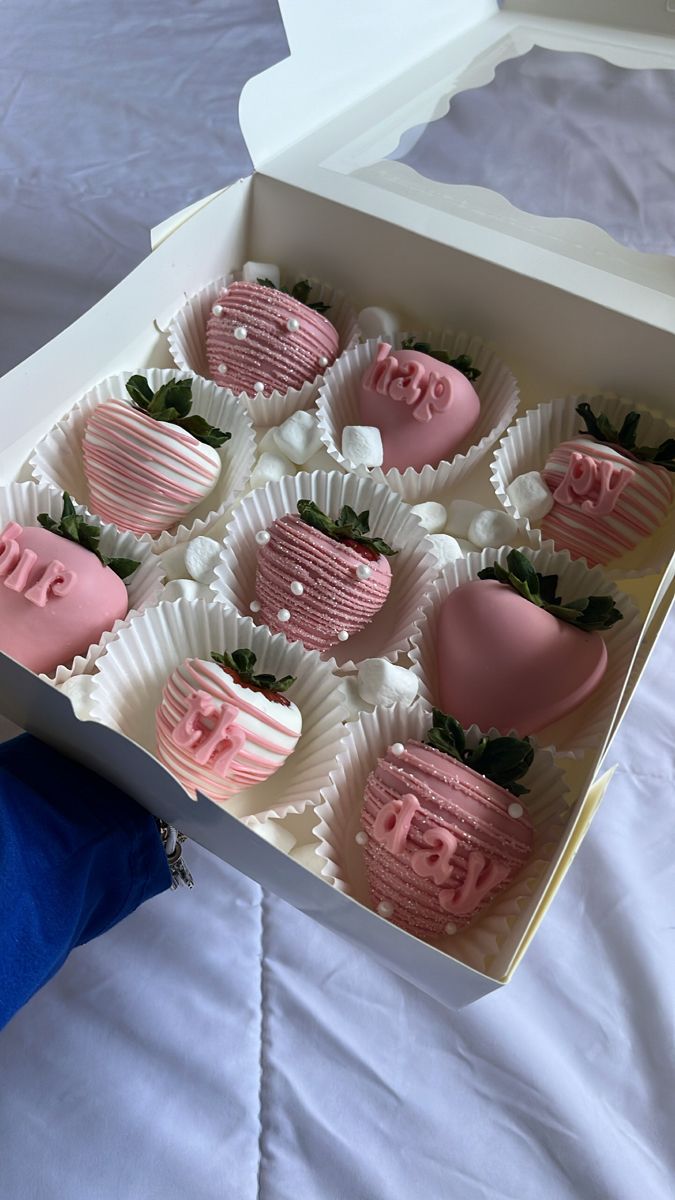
(271, 353)
(470, 807)
(144, 475)
(640, 508)
(262, 754)
(333, 599)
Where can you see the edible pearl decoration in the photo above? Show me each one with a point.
(361, 838)
(297, 588)
(262, 537)
(241, 333)
(515, 810)
(293, 324)
(283, 615)
(397, 748)
(254, 606)
(363, 571)
(343, 635)
(258, 387)
(323, 361)
(385, 908)
(222, 367)
(217, 310)
(451, 927)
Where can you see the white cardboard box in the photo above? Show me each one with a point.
(563, 304)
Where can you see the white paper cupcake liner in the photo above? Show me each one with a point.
(413, 568)
(585, 728)
(496, 931)
(132, 673)
(22, 502)
(338, 405)
(186, 333)
(531, 439)
(58, 458)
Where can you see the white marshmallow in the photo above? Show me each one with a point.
(379, 323)
(201, 556)
(362, 445)
(322, 462)
(173, 562)
(352, 697)
(270, 468)
(267, 442)
(446, 548)
(530, 496)
(274, 833)
(380, 682)
(308, 857)
(298, 437)
(492, 527)
(432, 515)
(186, 589)
(253, 271)
(460, 515)
(78, 690)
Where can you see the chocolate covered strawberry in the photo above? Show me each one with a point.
(422, 401)
(260, 338)
(319, 581)
(442, 829)
(58, 592)
(221, 727)
(148, 460)
(609, 492)
(512, 654)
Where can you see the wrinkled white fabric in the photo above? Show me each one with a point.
(219, 1045)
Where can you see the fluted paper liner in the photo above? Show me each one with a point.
(585, 727)
(187, 342)
(531, 439)
(58, 458)
(22, 502)
(498, 926)
(412, 569)
(132, 673)
(338, 405)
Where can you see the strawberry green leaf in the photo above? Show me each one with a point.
(75, 528)
(463, 362)
(242, 663)
(300, 291)
(504, 760)
(349, 527)
(589, 612)
(599, 427)
(171, 403)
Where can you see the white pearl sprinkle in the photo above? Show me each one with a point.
(361, 838)
(217, 310)
(343, 635)
(397, 748)
(222, 367)
(258, 387)
(254, 606)
(515, 810)
(363, 571)
(297, 588)
(451, 927)
(262, 537)
(241, 333)
(293, 324)
(283, 615)
(385, 908)
(323, 361)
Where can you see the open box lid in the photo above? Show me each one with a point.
(328, 119)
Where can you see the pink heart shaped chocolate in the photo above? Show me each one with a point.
(504, 662)
(423, 408)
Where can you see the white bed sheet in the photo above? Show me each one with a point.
(219, 1045)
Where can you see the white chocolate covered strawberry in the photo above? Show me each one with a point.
(443, 830)
(147, 460)
(320, 581)
(222, 728)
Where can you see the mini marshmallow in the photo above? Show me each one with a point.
(460, 515)
(201, 556)
(446, 548)
(380, 682)
(379, 323)
(186, 589)
(267, 442)
(275, 834)
(322, 462)
(530, 496)
(362, 445)
(253, 271)
(173, 562)
(432, 515)
(492, 527)
(78, 689)
(352, 698)
(308, 857)
(298, 437)
(270, 468)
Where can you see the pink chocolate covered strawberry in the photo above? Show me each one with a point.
(148, 460)
(442, 829)
(421, 400)
(260, 338)
(58, 593)
(319, 581)
(512, 654)
(609, 493)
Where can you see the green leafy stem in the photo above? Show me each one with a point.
(300, 291)
(588, 613)
(350, 526)
(463, 362)
(242, 663)
(75, 528)
(172, 403)
(504, 760)
(600, 427)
